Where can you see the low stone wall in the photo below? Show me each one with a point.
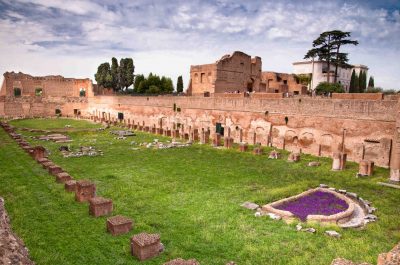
(319, 218)
(361, 96)
(12, 248)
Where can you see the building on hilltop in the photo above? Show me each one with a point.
(239, 73)
(319, 71)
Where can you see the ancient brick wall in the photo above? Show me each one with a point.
(363, 96)
(313, 125)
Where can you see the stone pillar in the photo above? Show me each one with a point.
(254, 138)
(240, 135)
(217, 139)
(395, 156)
(339, 161)
(366, 168)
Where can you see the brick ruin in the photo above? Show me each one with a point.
(240, 73)
(364, 126)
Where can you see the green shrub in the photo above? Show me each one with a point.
(325, 87)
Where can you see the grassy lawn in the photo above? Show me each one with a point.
(191, 196)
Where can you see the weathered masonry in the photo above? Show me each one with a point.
(365, 126)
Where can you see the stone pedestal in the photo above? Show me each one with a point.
(258, 150)
(70, 186)
(54, 170)
(145, 246)
(205, 137)
(339, 161)
(228, 142)
(366, 168)
(243, 147)
(217, 139)
(46, 165)
(99, 206)
(85, 190)
(395, 175)
(118, 225)
(63, 177)
(294, 157)
(39, 152)
(42, 160)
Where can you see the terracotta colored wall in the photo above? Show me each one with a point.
(363, 96)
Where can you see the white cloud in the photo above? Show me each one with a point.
(167, 37)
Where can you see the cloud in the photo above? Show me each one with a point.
(168, 36)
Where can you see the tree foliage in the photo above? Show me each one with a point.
(118, 76)
(153, 84)
(327, 48)
(325, 88)
(362, 79)
(179, 84)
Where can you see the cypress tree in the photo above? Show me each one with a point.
(352, 88)
(179, 84)
(356, 84)
(371, 81)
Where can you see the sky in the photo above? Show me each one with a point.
(71, 38)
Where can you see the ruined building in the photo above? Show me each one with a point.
(365, 126)
(240, 73)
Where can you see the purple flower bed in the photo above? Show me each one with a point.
(315, 203)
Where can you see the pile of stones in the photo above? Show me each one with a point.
(82, 151)
(156, 144)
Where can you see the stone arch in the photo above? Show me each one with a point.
(326, 144)
(291, 140)
(306, 139)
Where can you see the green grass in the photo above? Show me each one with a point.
(191, 196)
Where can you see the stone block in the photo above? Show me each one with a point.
(217, 139)
(99, 206)
(70, 186)
(258, 150)
(274, 155)
(294, 157)
(228, 142)
(118, 225)
(243, 147)
(43, 160)
(366, 168)
(85, 190)
(63, 177)
(145, 246)
(39, 152)
(54, 170)
(46, 165)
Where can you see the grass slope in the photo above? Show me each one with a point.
(191, 196)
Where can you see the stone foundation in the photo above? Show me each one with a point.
(63, 177)
(54, 170)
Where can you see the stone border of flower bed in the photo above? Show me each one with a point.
(288, 216)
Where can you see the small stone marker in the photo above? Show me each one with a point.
(46, 165)
(54, 170)
(332, 233)
(63, 177)
(274, 155)
(366, 168)
(42, 160)
(70, 186)
(228, 142)
(145, 246)
(99, 206)
(250, 205)
(258, 150)
(243, 147)
(118, 225)
(84, 190)
(180, 261)
(314, 164)
(294, 157)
